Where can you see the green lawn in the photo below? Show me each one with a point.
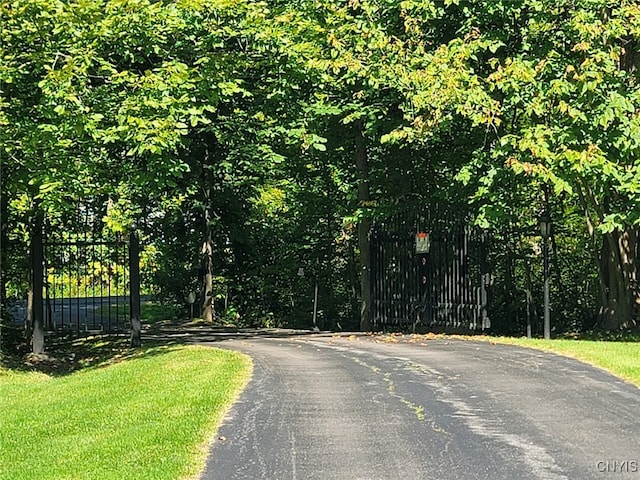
(146, 416)
(622, 358)
(150, 311)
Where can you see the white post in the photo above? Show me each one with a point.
(315, 305)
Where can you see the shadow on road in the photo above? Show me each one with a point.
(189, 333)
(68, 354)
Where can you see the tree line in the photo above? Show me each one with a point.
(247, 140)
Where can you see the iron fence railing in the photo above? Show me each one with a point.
(86, 285)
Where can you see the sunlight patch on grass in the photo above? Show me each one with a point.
(148, 417)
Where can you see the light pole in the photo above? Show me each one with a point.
(545, 230)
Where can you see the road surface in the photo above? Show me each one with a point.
(78, 313)
(326, 407)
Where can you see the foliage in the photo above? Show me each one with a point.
(230, 127)
(555, 89)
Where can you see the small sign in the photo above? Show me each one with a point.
(422, 242)
(191, 298)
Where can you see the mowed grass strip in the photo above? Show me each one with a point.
(148, 417)
(618, 357)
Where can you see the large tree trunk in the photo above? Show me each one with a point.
(364, 226)
(206, 267)
(618, 278)
(206, 252)
(618, 258)
(617, 267)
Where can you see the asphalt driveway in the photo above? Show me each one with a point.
(327, 407)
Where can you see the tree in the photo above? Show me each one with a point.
(94, 107)
(558, 98)
(267, 136)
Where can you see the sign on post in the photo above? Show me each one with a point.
(191, 298)
(422, 242)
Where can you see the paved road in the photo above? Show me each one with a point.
(98, 313)
(321, 407)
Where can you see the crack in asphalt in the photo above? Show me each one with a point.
(542, 464)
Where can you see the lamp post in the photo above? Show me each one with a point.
(545, 230)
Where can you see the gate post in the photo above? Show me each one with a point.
(134, 289)
(37, 274)
(485, 283)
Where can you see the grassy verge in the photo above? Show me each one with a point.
(147, 415)
(621, 358)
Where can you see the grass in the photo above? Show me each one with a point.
(125, 414)
(622, 358)
(150, 311)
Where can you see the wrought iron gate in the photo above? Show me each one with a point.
(86, 286)
(430, 274)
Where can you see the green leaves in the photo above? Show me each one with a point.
(554, 97)
(140, 101)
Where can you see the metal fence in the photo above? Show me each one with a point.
(86, 285)
(429, 274)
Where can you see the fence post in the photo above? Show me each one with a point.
(37, 273)
(134, 289)
(485, 282)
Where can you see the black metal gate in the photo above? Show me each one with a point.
(86, 285)
(430, 274)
